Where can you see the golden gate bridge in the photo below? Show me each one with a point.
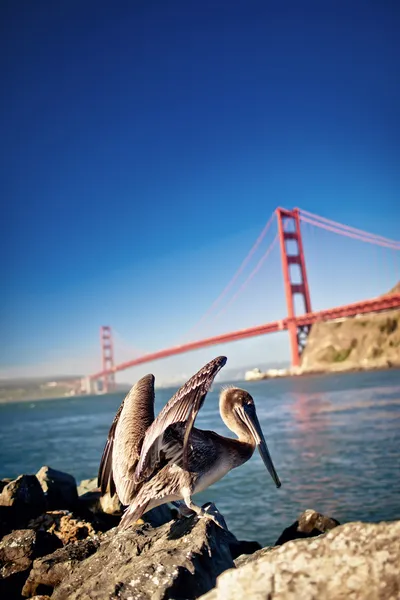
(296, 322)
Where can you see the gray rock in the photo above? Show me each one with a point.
(59, 488)
(181, 559)
(47, 572)
(17, 553)
(309, 524)
(356, 561)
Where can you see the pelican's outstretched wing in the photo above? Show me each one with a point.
(104, 478)
(183, 406)
(122, 449)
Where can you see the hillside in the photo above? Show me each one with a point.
(370, 341)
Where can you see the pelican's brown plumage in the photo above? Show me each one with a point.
(149, 462)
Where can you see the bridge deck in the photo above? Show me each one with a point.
(382, 303)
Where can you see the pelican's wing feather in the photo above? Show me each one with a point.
(122, 449)
(182, 407)
(104, 477)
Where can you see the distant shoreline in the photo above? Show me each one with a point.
(322, 372)
(264, 377)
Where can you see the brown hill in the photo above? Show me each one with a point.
(369, 341)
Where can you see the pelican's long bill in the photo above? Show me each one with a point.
(249, 416)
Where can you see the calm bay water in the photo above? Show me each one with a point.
(335, 441)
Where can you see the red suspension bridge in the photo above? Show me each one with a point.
(297, 321)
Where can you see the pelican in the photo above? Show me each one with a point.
(148, 462)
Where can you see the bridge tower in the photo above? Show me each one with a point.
(294, 278)
(107, 354)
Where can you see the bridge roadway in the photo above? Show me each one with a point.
(382, 303)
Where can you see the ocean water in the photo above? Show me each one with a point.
(335, 442)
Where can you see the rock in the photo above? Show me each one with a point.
(17, 553)
(91, 499)
(59, 488)
(22, 492)
(357, 561)
(243, 559)
(111, 504)
(180, 559)
(6, 520)
(40, 598)
(89, 509)
(4, 482)
(93, 502)
(24, 496)
(158, 516)
(309, 524)
(64, 525)
(47, 572)
(243, 548)
(88, 485)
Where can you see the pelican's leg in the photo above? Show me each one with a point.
(201, 513)
(210, 508)
(183, 510)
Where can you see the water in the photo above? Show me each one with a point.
(335, 441)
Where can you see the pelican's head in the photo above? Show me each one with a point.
(238, 411)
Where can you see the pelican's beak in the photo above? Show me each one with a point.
(249, 416)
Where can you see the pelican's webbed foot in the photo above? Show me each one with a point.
(212, 511)
(207, 511)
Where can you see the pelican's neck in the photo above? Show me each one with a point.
(241, 449)
(234, 423)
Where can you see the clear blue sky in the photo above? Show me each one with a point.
(145, 145)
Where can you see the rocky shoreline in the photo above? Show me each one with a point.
(61, 540)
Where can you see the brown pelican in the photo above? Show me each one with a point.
(149, 462)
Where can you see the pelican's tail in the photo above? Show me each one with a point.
(132, 514)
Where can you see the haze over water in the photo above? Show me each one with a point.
(335, 441)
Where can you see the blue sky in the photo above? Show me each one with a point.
(146, 143)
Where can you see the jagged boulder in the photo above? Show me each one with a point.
(20, 500)
(24, 492)
(59, 488)
(48, 572)
(17, 553)
(309, 524)
(357, 561)
(180, 559)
